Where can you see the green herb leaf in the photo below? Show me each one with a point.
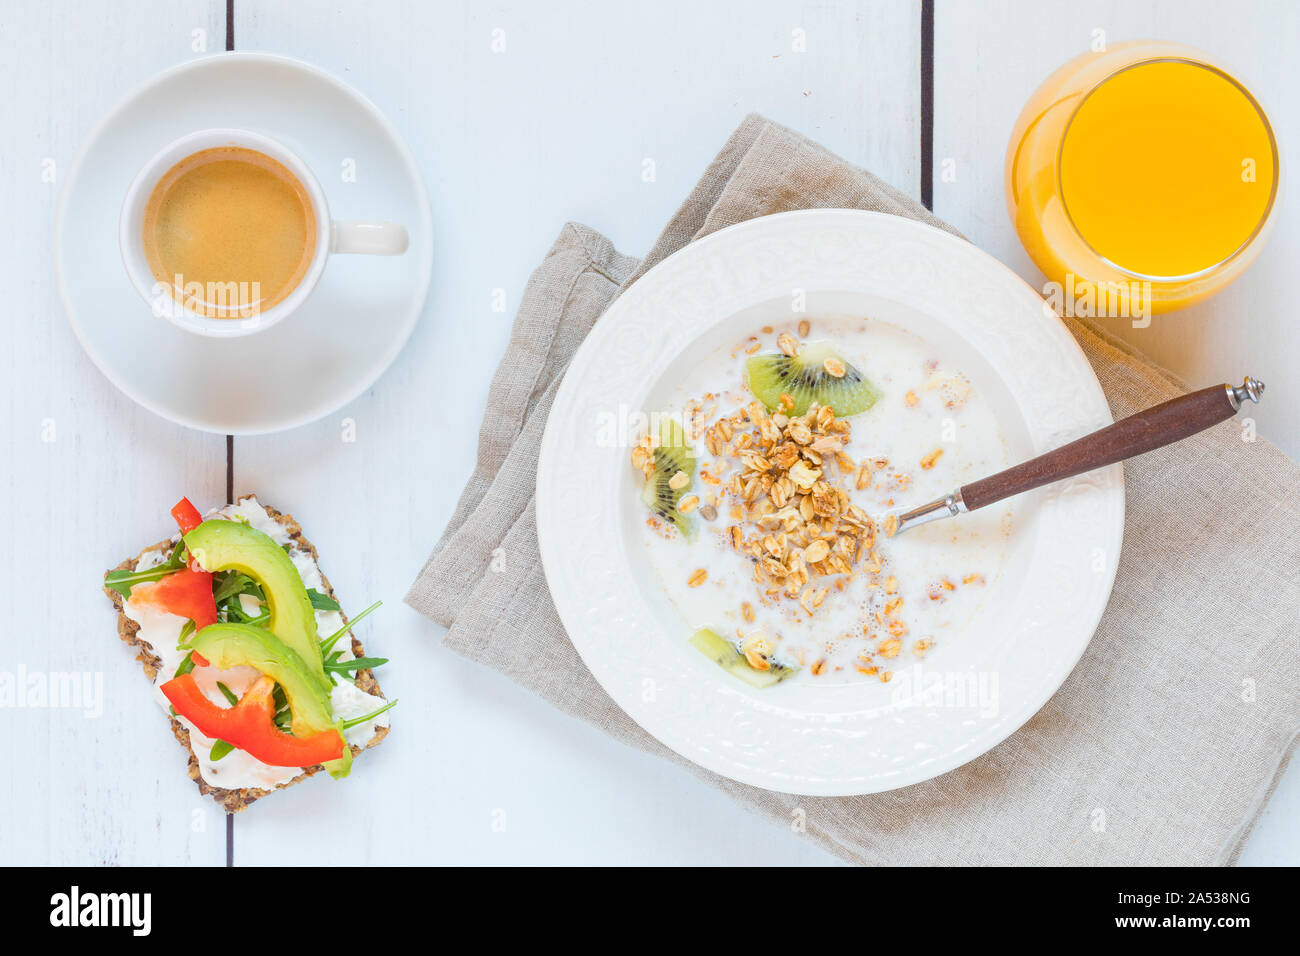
(122, 581)
(234, 611)
(329, 642)
(220, 749)
(186, 630)
(366, 718)
(185, 667)
(227, 693)
(356, 664)
(322, 602)
(230, 584)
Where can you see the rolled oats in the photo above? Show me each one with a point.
(816, 551)
(784, 481)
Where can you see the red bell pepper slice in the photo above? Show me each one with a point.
(249, 725)
(186, 515)
(187, 593)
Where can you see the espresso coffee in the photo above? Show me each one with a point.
(229, 232)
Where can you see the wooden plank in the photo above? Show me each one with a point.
(989, 57)
(558, 126)
(88, 476)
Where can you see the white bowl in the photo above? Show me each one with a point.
(802, 736)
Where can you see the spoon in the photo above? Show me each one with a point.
(1145, 431)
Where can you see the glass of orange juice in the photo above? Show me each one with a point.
(1147, 170)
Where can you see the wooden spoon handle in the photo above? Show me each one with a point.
(1146, 431)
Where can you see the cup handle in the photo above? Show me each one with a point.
(369, 238)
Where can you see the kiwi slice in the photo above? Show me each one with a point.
(805, 379)
(727, 656)
(674, 454)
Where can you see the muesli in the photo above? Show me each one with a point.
(768, 489)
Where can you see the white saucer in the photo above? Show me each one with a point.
(357, 319)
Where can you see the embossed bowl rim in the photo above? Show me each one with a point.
(799, 740)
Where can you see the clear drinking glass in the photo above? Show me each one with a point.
(1145, 170)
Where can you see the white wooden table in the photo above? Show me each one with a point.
(512, 144)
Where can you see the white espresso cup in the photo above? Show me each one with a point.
(369, 238)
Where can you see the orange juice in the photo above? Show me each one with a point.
(1146, 167)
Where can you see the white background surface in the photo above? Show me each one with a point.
(511, 144)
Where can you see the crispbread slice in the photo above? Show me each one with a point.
(234, 800)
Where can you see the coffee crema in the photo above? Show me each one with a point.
(230, 232)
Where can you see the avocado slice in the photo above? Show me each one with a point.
(220, 545)
(231, 645)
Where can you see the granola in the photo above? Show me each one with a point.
(793, 561)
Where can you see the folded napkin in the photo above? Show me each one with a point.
(1162, 746)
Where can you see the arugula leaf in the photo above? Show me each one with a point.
(356, 664)
(366, 718)
(220, 749)
(234, 611)
(185, 667)
(283, 716)
(186, 630)
(227, 693)
(233, 583)
(122, 581)
(330, 641)
(322, 602)
(230, 588)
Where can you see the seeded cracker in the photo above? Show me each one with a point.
(232, 801)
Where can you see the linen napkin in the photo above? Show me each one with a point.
(1162, 746)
